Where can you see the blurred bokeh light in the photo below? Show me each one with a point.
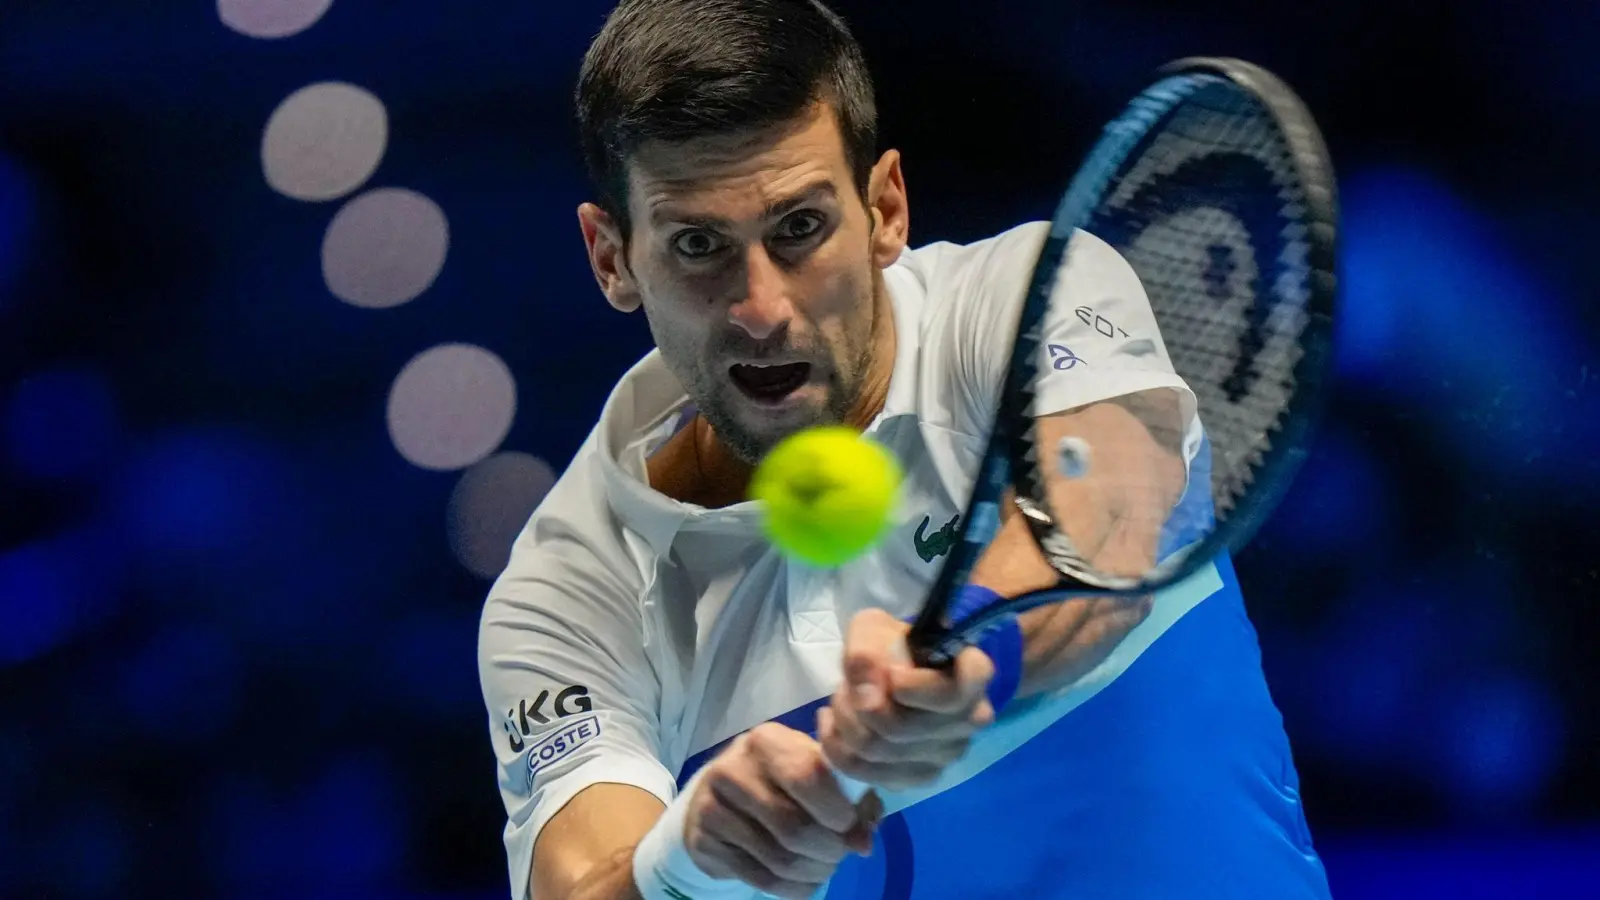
(489, 506)
(451, 406)
(384, 248)
(269, 19)
(324, 141)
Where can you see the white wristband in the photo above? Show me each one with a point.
(663, 868)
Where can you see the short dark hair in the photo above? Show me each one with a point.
(676, 70)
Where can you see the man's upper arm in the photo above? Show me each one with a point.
(1102, 340)
(572, 696)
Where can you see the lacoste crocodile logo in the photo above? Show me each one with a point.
(933, 546)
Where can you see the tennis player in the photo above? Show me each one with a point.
(666, 693)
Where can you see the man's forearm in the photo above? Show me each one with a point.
(1062, 641)
(1114, 514)
(611, 878)
(586, 850)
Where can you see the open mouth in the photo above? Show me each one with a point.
(770, 384)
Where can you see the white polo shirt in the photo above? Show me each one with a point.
(630, 632)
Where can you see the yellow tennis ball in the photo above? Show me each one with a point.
(827, 494)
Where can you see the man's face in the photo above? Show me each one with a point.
(757, 265)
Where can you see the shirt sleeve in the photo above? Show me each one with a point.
(1101, 338)
(571, 694)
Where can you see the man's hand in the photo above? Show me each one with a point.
(892, 724)
(768, 812)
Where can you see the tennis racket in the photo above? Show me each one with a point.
(1215, 186)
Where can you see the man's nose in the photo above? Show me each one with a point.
(765, 306)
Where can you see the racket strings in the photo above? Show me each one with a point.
(1213, 224)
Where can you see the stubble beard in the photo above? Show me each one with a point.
(717, 398)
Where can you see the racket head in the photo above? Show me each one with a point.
(1215, 186)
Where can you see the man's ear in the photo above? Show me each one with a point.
(608, 258)
(886, 203)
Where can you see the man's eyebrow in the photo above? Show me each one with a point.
(813, 191)
(661, 212)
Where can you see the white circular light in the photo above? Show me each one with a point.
(451, 406)
(269, 19)
(324, 141)
(384, 248)
(489, 507)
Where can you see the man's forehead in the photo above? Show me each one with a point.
(768, 190)
(782, 159)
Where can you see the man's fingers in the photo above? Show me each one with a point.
(947, 692)
(770, 813)
(878, 761)
(941, 753)
(896, 776)
(908, 734)
(794, 765)
(734, 825)
(893, 724)
(840, 729)
(788, 826)
(874, 644)
(725, 860)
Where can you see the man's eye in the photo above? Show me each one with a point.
(696, 244)
(800, 226)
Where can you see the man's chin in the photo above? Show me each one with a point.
(751, 428)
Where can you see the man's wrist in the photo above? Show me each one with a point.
(1001, 642)
(663, 868)
(1003, 645)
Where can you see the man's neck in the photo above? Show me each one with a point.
(880, 369)
(695, 466)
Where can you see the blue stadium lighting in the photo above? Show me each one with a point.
(61, 425)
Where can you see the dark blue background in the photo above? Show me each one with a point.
(237, 652)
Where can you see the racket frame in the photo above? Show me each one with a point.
(934, 640)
